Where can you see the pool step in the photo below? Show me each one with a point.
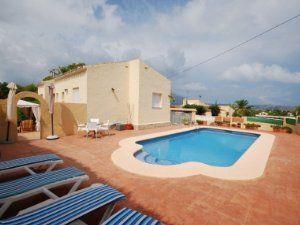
(150, 159)
(146, 157)
(164, 162)
(141, 155)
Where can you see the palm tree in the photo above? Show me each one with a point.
(242, 107)
(215, 109)
(297, 110)
(242, 103)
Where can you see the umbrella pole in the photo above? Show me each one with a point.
(51, 110)
(52, 136)
(52, 128)
(7, 133)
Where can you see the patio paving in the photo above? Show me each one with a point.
(273, 198)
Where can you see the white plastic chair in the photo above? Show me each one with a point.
(95, 120)
(104, 127)
(80, 126)
(91, 126)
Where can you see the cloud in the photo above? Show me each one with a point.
(258, 72)
(36, 36)
(193, 87)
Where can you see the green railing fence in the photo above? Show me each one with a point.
(278, 122)
(290, 121)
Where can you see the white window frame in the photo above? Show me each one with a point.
(76, 98)
(156, 100)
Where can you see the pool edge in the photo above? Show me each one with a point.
(250, 165)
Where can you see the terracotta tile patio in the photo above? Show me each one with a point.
(273, 198)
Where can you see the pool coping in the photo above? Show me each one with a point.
(250, 165)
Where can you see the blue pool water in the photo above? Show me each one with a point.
(210, 146)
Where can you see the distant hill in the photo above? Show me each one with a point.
(178, 101)
(272, 107)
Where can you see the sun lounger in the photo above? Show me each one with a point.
(130, 217)
(69, 208)
(12, 191)
(30, 162)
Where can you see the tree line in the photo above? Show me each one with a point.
(55, 72)
(4, 89)
(241, 108)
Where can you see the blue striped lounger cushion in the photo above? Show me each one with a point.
(128, 216)
(31, 182)
(68, 209)
(27, 161)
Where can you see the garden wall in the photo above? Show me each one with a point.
(2, 119)
(66, 116)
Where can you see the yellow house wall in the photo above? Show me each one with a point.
(134, 91)
(131, 101)
(75, 81)
(119, 92)
(150, 81)
(42, 91)
(102, 101)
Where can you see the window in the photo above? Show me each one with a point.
(62, 96)
(66, 91)
(76, 95)
(156, 100)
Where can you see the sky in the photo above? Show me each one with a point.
(169, 35)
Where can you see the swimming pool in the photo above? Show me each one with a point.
(225, 153)
(209, 146)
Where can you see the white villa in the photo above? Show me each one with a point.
(186, 101)
(225, 110)
(125, 92)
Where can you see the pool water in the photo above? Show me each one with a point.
(209, 146)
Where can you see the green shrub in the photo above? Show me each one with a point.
(201, 110)
(219, 123)
(251, 125)
(288, 129)
(200, 122)
(215, 109)
(21, 115)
